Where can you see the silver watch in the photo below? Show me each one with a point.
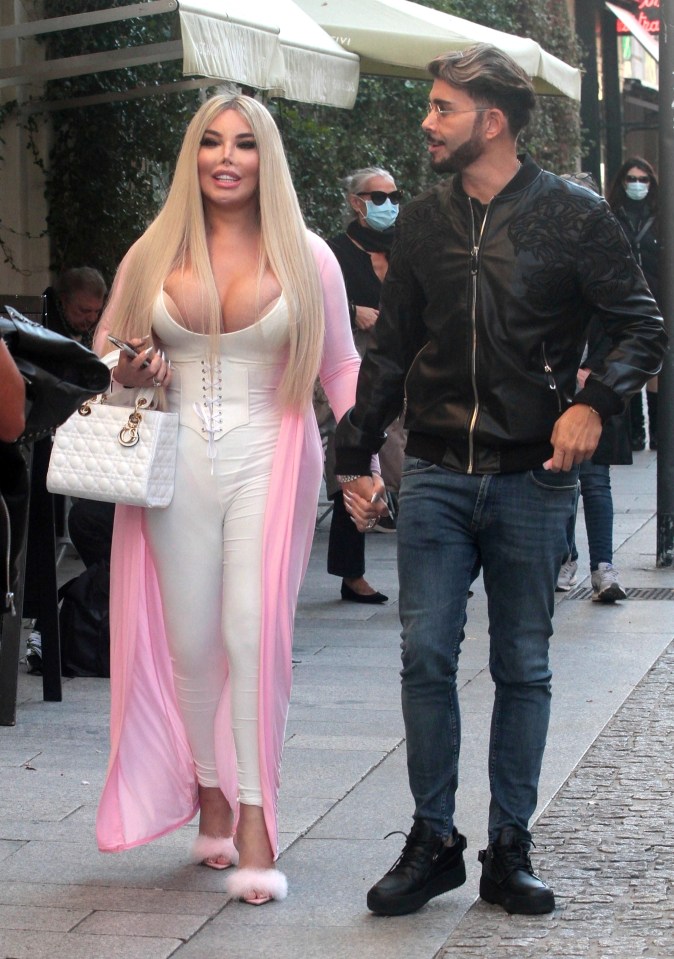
(348, 478)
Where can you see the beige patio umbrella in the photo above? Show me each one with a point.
(271, 45)
(398, 38)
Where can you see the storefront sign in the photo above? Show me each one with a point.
(648, 17)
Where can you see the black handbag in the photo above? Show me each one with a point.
(60, 373)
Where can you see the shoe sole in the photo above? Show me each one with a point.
(610, 594)
(492, 893)
(451, 879)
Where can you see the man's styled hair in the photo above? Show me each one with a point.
(177, 239)
(491, 78)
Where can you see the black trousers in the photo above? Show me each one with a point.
(346, 546)
(90, 529)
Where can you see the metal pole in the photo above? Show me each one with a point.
(665, 484)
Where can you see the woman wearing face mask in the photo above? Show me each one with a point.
(633, 197)
(362, 250)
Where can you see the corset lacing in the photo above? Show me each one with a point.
(209, 410)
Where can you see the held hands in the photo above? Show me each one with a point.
(365, 501)
(132, 372)
(574, 437)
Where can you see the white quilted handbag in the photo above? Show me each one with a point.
(117, 454)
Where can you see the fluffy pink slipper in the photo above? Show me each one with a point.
(215, 852)
(257, 886)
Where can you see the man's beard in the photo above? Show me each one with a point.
(465, 154)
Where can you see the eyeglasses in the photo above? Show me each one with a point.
(450, 111)
(380, 196)
(637, 179)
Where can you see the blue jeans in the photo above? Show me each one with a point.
(595, 488)
(514, 527)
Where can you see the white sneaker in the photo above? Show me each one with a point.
(605, 585)
(34, 652)
(567, 576)
(34, 643)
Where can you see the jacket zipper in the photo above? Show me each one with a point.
(550, 377)
(9, 595)
(474, 263)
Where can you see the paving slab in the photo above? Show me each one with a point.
(604, 823)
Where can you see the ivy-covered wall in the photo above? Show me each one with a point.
(109, 164)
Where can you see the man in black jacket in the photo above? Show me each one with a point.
(493, 277)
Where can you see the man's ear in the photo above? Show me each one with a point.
(495, 123)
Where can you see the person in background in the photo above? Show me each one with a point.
(249, 308)
(12, 397)
(75, 303)
(633, 197)
(494, 275)
(362, 250)
(14, 484)
(614, 448)
(73, 306)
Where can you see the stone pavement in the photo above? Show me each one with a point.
(604, 828)
(607, 840)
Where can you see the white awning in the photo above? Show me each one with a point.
(271, 45)
(398, 38)
(638, 32)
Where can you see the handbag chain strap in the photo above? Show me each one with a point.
(129, 434)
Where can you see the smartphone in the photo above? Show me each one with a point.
(127, 348)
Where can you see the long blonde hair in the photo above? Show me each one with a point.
(177, 238)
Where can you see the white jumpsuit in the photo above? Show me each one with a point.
(207, 545)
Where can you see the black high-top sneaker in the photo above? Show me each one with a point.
(508, 878)
(425, 868)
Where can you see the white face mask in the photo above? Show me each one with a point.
(637, 191)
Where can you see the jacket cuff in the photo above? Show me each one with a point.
(600, 397)
(354, 447)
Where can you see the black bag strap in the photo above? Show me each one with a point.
(644, 230)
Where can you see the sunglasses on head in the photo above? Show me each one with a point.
(380, 196)
(637, 179)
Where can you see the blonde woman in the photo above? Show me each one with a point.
(244, 308)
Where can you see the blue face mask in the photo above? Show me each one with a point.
(380, 217)
(637, 191)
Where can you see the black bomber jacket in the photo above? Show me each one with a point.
(482, 325)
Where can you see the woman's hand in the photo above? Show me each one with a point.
(365, 501)
(131, 372)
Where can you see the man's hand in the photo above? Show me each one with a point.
(365, 501)
(366, 317)
(574, 437)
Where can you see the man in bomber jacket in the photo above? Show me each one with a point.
(494, 275)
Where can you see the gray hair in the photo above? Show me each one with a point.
(354, 183)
